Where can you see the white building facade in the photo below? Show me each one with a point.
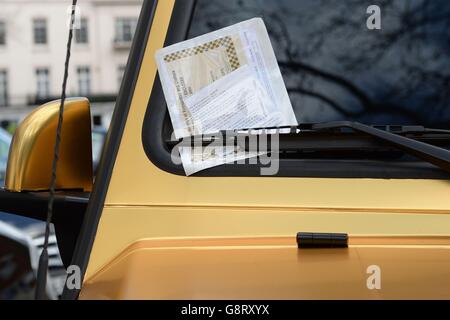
(33, 37)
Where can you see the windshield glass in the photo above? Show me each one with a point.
(336, 68)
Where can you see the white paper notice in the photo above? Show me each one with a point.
(228, 79)
(236, 101)
(197, 159)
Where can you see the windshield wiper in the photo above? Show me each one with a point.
(302, 137)
(432, 154)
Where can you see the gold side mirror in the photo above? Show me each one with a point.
(32, 148)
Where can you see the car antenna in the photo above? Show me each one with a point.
(41, 279)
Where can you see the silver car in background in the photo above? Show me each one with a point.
(22, 239)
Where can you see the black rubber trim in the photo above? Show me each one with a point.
(156, 116)
(112, 143)
(157, 122)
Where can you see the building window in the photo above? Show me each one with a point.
(2, 33)
(3, 88)
(40, 31)
(84, 80)
(42, 83)
(120, 73)
(81, 34)
(125, 28)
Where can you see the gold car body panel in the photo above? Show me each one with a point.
(144, 203)
(273, 268)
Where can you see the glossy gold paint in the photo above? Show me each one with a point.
(144, 204)
(31, 152)
(272, 268)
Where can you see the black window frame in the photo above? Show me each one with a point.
(4, 102)
(40, 34)
(84, 71)
(125, 29)
(156, 121)
(3, 33)
(46, 84)
(82, 33)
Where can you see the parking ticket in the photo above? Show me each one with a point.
(224, 80)
(191, 65)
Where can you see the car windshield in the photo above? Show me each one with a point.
(337, 68)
